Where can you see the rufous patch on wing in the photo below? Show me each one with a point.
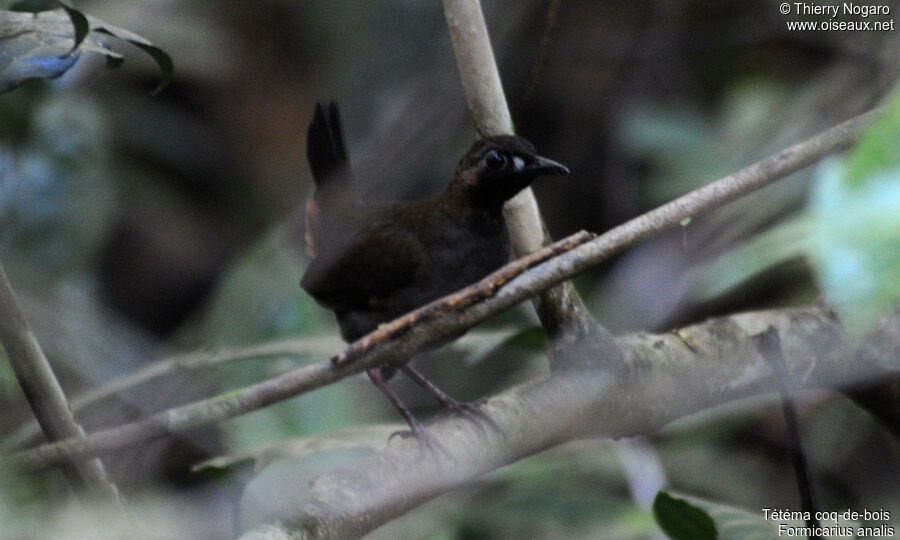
(312, 214)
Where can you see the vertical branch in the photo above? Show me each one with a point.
(769, 346)
(562, 312)
(43, 392)
(484, 94)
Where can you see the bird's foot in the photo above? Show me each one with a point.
(470, 410)
(427, 441)
(463, 407)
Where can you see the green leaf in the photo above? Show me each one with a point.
(162, 59)
(485, 344)
(681, 520)
(730, 523)
(879, 148)
(48, 43)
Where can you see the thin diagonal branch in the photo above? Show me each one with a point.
(446, 318)
(199, 362)
(43, 392)
(191, 362)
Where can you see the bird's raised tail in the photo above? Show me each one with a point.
(332, 211)
(325, 149)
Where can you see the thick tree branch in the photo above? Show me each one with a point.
(446, 318)
(669, 376)
(43, 392)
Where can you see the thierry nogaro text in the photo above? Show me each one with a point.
(847, 8)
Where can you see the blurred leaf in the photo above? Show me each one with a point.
(17, 111)
(46, 44)
(682, 520)
(879, 148)
(485, 343)
(259, 298)
(856, 251)
(855, 248)
(19, 513)
(685, 149)
(56, 193)
(9, 385)
(529, 338)
(779, 244)
(21, 5)
(663, 136)
(370, 437)
(850, 232)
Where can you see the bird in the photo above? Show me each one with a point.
(371, 263)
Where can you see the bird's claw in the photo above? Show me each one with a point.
(471, 410)
(426, 440)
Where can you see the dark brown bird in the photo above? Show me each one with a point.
(374, 263)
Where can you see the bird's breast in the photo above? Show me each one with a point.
(465, 252)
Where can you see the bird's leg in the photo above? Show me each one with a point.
(381, 382)
(418, 430)
(446, 401)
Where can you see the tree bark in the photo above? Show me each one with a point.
(668, 377)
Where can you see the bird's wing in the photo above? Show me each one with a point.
(382, 259)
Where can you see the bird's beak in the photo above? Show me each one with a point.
(542, 165)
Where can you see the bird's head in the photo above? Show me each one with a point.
(496, 168)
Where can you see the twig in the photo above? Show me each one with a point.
(195, 361)
(44, 394)
(446, 318)
(668, 381)
(200, 361)
(769, 346)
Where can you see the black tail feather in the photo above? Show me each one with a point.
(325, 149)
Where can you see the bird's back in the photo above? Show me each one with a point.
(401, 256)
(372, 263)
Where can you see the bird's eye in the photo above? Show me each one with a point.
(495, 160)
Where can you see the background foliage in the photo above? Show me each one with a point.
(136, 226)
